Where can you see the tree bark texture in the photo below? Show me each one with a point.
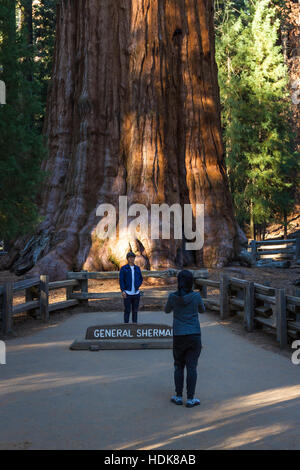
(292, 27)
(133, 110)
(293, 59)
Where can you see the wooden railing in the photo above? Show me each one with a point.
(291, 249)
(36, 299)
(37, 293)
(82, 277)
(256, 303)
(259, 305)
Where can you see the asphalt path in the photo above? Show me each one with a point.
(55, 398)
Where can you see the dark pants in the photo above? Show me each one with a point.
(131, 302)
(186, 351)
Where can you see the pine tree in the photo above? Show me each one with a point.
(44, 23)
(261, 157)
(21, 146)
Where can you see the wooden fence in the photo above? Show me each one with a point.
(82, 278)
(291, 250)
(256, 303)
(37, 293)
(36, 299)
(259, 305)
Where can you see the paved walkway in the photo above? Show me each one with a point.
(54, 398)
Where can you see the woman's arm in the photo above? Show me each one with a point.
(169, 306)
(201, 306)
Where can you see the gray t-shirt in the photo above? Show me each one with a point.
(185, 312)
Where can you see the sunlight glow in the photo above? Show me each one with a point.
(228, 413)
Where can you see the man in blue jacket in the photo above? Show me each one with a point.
(130, 280)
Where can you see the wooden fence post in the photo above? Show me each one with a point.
(44, 297)
(249, 306)
(7, 309)
(84, 288)
(224, 296)
(29, 296)
(69, 289)
(253, 251)
(296, 293)
(281, 317)
(69, 292)
(203, 291)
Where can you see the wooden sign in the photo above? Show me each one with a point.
(129, 330)
(126, 336)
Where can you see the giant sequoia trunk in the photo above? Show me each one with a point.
(133, 110)
(291, 48)
(292, 54)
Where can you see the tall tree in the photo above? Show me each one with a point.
(21, 148)
(133, 110)
(44, 22)
(290, 36)
(262, 162)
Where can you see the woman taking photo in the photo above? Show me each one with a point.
(186, 305)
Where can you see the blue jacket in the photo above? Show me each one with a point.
(185, 312)
(126, 278)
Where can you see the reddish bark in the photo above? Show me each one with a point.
(133, 110)
(291, 47)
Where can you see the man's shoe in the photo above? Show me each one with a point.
(192, 402)
(176, 400)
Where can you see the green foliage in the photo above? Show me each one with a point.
(260, 151)
(44, 18)
(21, 144)
(260, 155)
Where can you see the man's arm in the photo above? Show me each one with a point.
(141, 277)
(122, 280)
(122, 283)
(169, 306)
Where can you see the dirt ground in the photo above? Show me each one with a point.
(155, 292)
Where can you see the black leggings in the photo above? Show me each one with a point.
(186, 351)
